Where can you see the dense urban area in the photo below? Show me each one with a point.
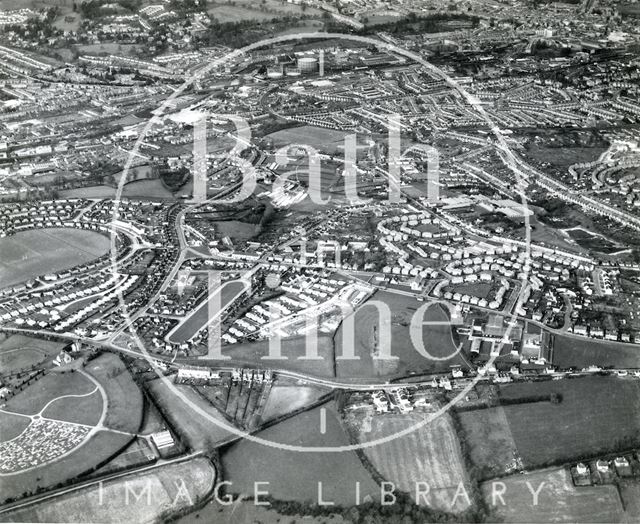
(343, 261)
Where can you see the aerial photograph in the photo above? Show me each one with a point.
(320, 261)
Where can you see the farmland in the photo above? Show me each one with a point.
(630, 493)
(437, 340)
(32, 253)
(594, 415)
(581, 352)
(430, 454)
(199, 433)
(246, 511)
(338, 471)
(489, 439)
(285, 399)
(558, 499)
(132, 498)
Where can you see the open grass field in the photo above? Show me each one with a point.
(630, 494)
(595, 413)
(285, 399)
(437, 340)
(16, 359)
(236, 230)
(581, 352)
(152, 189)
(323, 140)
(250, 354)
(430, 454)
(199, 432)
(125, 402)
(164, 488)
(20, 352)
(247, 462)
(70, 410)
(35, 397)
(246, 511)
(558, 499)
(11, 425)
(35, 252)
(138, 453)
(199, 318)
(488, 437)
(251, 10)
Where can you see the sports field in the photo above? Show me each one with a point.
(36, 252)
(430, 455)
(558, 499)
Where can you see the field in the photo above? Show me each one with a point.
(39, 394)
(285, 399)
(199, 318)
(140, 452)
(558, 499)
(581, 352)
(595, 414)
(437, 340)
(131, 498)
(126, 404)
(99, 448)
(250, 354)
(236, 230)
(246, 511)
(11, 426)
(630, 493)
(19, 352)
(249, 10)
(199, 432)
(430, 454)
(488, 437)
(68, 425)
(152, 189)
(247, 462)
(324, 140)
(36, 252)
